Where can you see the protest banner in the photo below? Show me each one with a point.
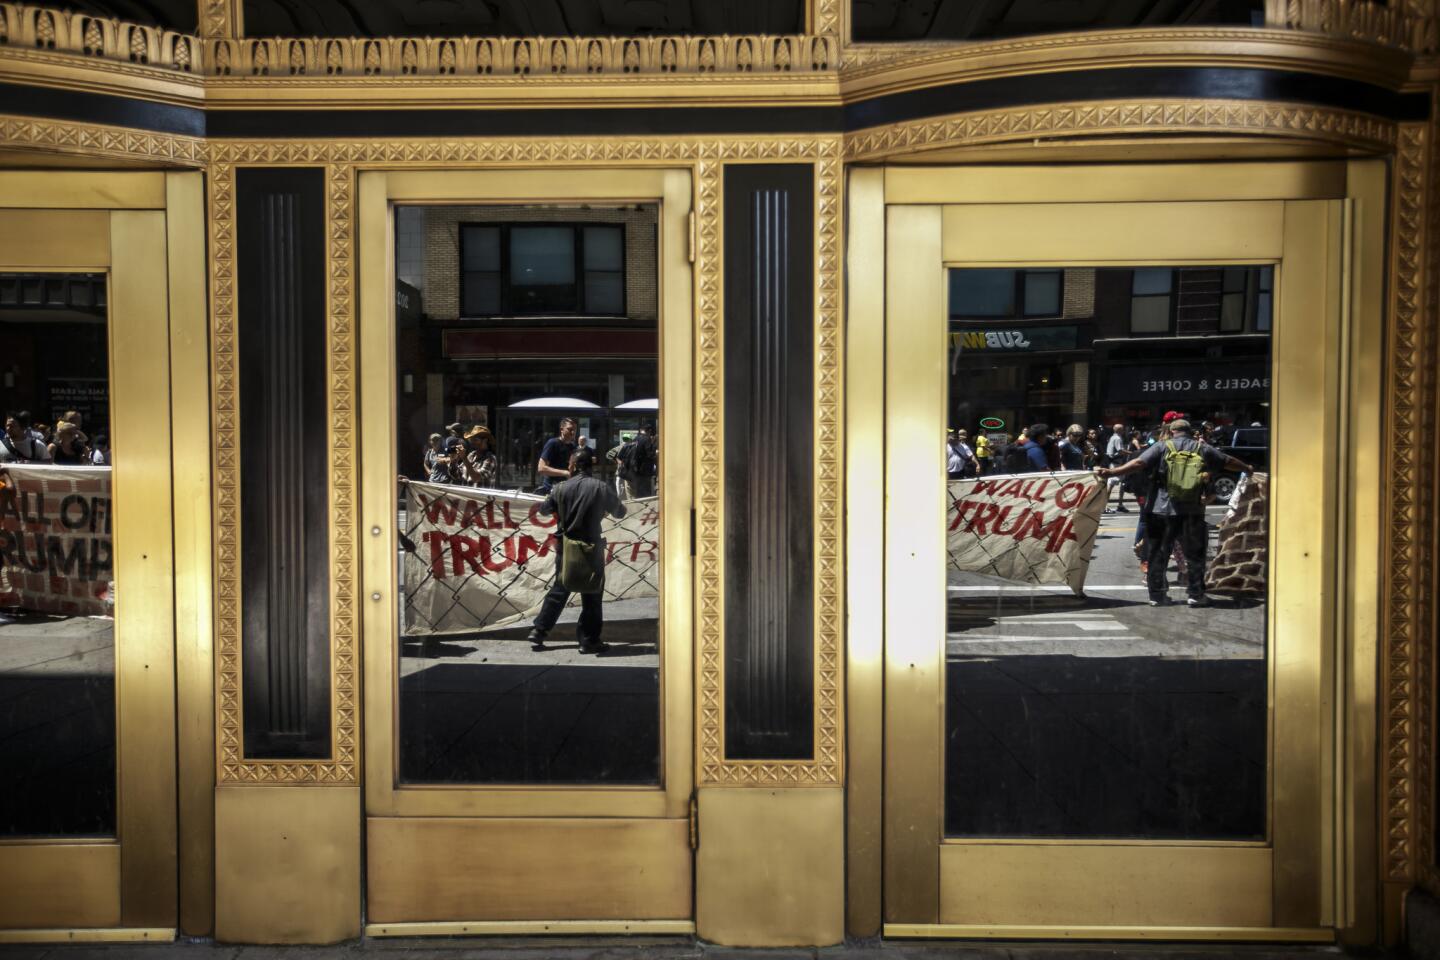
(1030, 528)
(55, 548)
(1242, 550)
(477, 558)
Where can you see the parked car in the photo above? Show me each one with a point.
(1250, 444)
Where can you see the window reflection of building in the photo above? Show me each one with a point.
(56, 348)
(1087, 345)
(551, 307)
(1020, 345)
(1195, 339)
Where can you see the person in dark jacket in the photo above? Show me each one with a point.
(580, 504)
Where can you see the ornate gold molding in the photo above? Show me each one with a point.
(1401, 589)
(102, 38)
(1428, 573)
(110, 143)
(221, 18)
(1128, 117)
(706, 156)
(828, 18)
(343, 765)
(1402, 23)
(484, 58)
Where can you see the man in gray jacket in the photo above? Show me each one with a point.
(580, 504)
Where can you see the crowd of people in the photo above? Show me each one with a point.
(1169, 470)
(66, 444)
(1041, 448)
(466, 457)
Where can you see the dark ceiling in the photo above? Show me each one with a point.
(880, 20)
(519, 18)
(181, 15)
(873, 20)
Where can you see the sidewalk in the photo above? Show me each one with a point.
(671, 948)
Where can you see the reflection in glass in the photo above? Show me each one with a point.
(57, 637)
(528, 403)
(1106, 643)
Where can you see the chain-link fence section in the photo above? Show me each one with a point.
(1035, 528)
(474, 558)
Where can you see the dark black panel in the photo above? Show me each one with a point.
(182, 16)
(562, 121)
(284, 461)
(1180, 82)
(54, 104)
(1222, 83)
(520, 18)
(769, 461)
(904, 20)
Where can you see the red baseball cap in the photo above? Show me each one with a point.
(1172, 415)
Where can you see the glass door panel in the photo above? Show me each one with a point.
(87, 735)
(1103, 694)
(537, 387)
(1127, 700)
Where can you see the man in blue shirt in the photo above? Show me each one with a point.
(554, 464)
(1037, 450)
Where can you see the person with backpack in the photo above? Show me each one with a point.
(1178, 467)
(636, 462)
(580, 504)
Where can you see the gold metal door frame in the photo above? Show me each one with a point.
(140, 229)
(1292, 214)
(518, 824)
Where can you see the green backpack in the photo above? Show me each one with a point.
(1184, 474)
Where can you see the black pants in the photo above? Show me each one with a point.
(592, 618)
(1161, 533)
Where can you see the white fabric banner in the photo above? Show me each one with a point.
(1031, 528)
(55, 547)
(478, 558)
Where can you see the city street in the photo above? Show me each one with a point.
(990, 617)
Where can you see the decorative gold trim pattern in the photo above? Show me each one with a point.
(344, 574)
(91, 140)
(494, 58)
(1428, 573)
(343, 767)
(826, 766)
(1405, 351)
(104, 38)
(1140, 116)
(1395, 25)
(827, 19)
(709, 499)
(221, 18)
(343, 158)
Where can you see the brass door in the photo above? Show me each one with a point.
(488, 807)
(90, 669)
(1067, 763)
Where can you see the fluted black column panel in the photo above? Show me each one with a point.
(284, 461)
(769, 461)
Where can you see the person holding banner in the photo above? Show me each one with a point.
(580, 504)
(1175, 511)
